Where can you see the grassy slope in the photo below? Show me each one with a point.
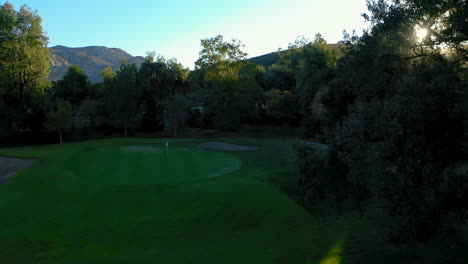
(90, 202)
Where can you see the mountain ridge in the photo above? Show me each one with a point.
(91, 59)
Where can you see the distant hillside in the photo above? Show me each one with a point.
(94, 59)
(271, 58)
(91, 59)
(266, 60)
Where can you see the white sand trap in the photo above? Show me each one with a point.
(10, 166)
(149, 149)
(225, 146)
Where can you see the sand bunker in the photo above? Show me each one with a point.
(10, 166)
(225, 146)
(150, 149)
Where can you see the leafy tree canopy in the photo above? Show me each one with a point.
(74, 87)
(24, 63)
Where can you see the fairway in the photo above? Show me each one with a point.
(136, 201)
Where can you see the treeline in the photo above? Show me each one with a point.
(390, 105)
(224, 91)
(393, 111)
(130, 99)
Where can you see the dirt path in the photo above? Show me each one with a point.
(225, 146)
(10, 166)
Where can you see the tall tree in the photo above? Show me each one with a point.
(281, 106)
(92, 110)
(24, 61)
(230, 94)
(107, 74)
(176, 113)
(282, 74)
(159, 78)
(153, 81)
(74, 87)
(216, 51)
(60, 118)
(121, 97)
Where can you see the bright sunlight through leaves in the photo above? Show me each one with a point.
(421, 33)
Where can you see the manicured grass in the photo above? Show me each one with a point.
(134, 201)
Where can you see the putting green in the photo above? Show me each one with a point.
(151, 164)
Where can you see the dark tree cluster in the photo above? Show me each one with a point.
(393, 111)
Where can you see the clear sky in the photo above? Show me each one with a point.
(174, 28)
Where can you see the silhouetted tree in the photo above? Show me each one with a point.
(60, 119)
(74, 87)
(121, 97)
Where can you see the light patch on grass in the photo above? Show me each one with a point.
(334, 255)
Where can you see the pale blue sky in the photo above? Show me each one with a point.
(174, 28)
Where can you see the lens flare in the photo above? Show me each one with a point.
(421, 33)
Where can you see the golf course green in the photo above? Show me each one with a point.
(138, 201)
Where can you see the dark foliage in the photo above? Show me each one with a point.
(393, 110)
(322, 174)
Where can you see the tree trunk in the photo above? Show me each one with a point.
(60, 136)
(156, 111)
(93, 122)
(125, 130)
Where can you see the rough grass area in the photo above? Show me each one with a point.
(136, 201)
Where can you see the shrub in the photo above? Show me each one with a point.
(321, 174)
(427, 204)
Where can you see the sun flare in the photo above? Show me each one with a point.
(421, 33)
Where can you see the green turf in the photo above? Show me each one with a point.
(134, 201)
